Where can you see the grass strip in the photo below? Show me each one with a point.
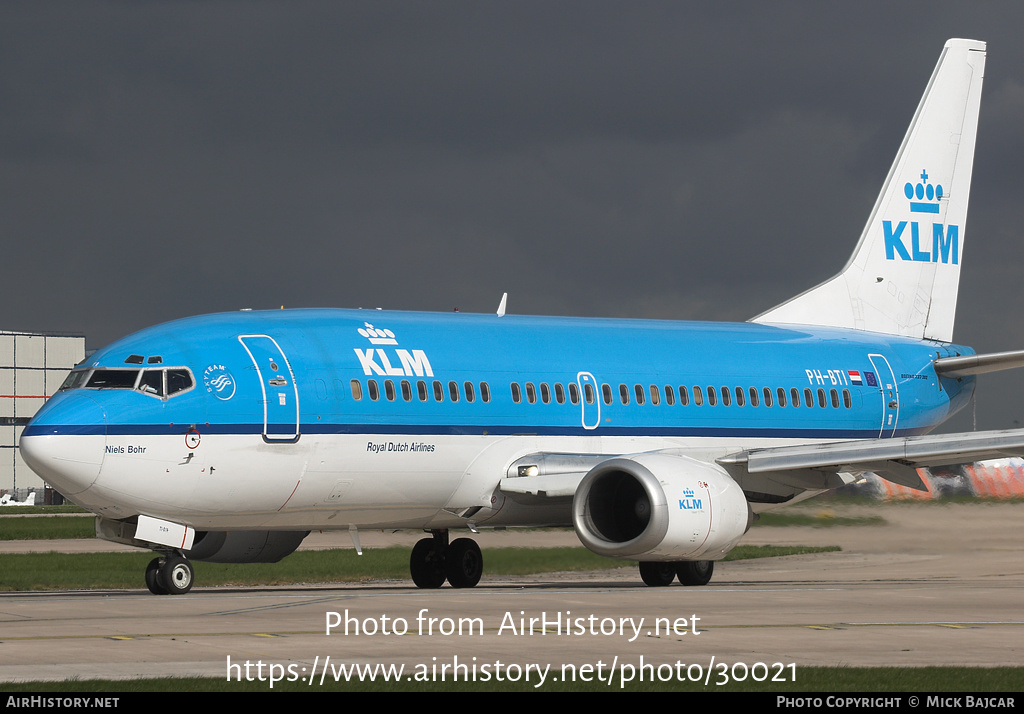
(78, 527)
(73, 527)
(825, 519)
(830, 680)
(58, 571)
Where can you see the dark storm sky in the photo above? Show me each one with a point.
(643, 159)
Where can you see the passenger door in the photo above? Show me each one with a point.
(277, 381)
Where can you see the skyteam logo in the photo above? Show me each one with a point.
(380, 362)
(219, 382)
(924, 197)
(688, 502)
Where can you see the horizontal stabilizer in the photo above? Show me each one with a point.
(978, 364)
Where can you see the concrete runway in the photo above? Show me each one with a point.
(935, 585)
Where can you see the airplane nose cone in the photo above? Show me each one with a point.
(64, 443)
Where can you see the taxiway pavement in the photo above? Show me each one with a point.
(933, 585)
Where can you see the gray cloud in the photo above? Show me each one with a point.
(652, 159)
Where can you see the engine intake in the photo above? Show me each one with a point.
(660, 507)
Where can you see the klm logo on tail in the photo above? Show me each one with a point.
(945, 240)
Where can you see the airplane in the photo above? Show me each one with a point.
(8, 500)
(229, 437)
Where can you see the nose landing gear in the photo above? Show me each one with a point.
(169, 575)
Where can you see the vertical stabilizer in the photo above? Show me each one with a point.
(903, 276)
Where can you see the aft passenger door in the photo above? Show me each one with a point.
(277, 380)
(890, 395)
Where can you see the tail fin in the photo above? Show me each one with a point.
(903, 276)
(31, 500)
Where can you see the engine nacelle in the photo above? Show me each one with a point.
(660, 507)
(245, 546)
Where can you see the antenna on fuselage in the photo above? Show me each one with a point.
(501, 305)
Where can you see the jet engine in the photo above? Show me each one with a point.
(244, 546)
(659, 507)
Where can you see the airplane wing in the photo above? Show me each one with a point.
(542, 477)
(895, 460)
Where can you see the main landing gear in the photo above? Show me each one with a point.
(435, 560)
(689, 572)
(169, 575)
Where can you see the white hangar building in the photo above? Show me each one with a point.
(33, 365)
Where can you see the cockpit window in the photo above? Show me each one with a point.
(152, 382)
(156, 382)
(75, 379)
(178, 380)
(113, 379)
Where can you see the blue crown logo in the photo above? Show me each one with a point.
(922, 191)
(687, 493)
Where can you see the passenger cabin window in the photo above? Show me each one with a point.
(468, 391)
(517, 395)
(485, 392)
(574, 393)
(782, 396)
(357, 389)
